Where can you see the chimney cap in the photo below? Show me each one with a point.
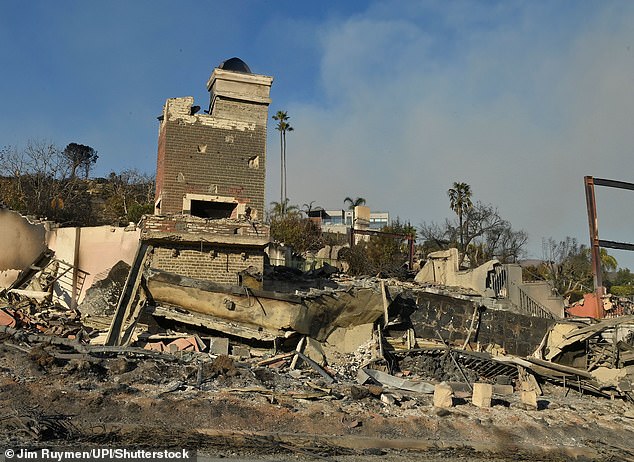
(236, 65)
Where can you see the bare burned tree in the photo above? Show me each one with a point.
(131, 194)
(40, 183)
(38, 180)
(485, 234)
(566, 264)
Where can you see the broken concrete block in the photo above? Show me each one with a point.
(482, 393)
(155, 346)
(529, 397)
(608, 376)
(503, 389)
(295, 374)
(362, 376)
(314, 351)
(443, 395)
(241, 351)
(347, 340)
(219, 346)
(395, 382)
(102, 297)
(386, 398)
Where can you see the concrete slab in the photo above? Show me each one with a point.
(443, 395)
(241, 351)
(347, 340)
(219, 346)
(482, 393)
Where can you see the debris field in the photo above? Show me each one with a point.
(432, 398)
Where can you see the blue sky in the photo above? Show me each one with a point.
(391, 100)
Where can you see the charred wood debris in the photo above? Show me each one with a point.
(388, 340)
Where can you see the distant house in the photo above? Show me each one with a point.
(340, 221)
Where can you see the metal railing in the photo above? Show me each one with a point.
(532, 307)
(497, 282)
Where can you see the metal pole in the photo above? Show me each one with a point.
(594, 244)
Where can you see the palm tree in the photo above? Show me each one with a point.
(282, 208)
(460, 202)
(354, 202)
(307, 208)
(282, 126)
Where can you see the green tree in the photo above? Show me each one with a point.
(460, 202)
(388, 255)
(302, 234)
(80, 156)
(623, 277)
(280, 209)
(608, 262)
(622, 283)
(129, 196)
(352, 203)
(307, 208)
(283, 127)
(41, 184)
(357, 259)
(382, 253)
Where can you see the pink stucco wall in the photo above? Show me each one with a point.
(99, 249)
(21, 242)
(93, 250)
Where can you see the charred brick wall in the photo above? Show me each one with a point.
(203, 226)
(216, 263)
(203, 156)
(160, 163)
(519, 334)
(451, 317)
(212, 165)
(212, 250)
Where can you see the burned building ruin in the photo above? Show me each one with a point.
(210, 179)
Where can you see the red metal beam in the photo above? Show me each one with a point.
(594, 244)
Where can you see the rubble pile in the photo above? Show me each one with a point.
(51, 320)
(102, 297)
(362, 354)
(439, 368)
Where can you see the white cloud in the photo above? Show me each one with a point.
(521, 107)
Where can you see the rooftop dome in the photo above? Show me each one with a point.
(236, 65)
